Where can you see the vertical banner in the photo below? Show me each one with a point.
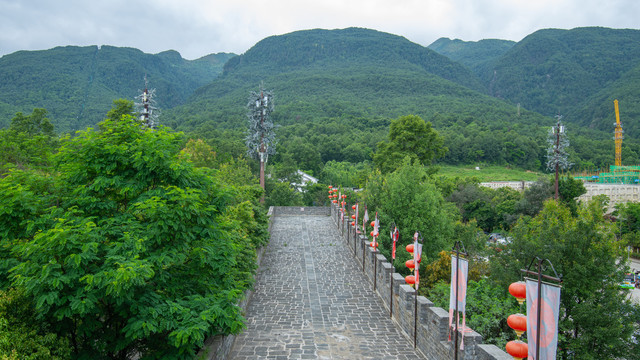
(417, 254)
(549, 311)
(365, 219)
(376, 226)
(395, 235)
(458, 294)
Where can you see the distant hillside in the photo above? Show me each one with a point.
(320, 74)
(557, 71)
(78, 84)
(476, 55)
(336, 91)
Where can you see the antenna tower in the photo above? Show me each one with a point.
(261, 138)
(146, 106)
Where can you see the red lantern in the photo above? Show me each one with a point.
(519, 290)
(410, 279)
(353, 223)
(344, 203)
(373, 223)
(371, 233)
(518, 349)
(335, 201)
(353, 216)
(410, 248)
(353, 207)
(410, 264)
(330, 186)
(373, 244)
(517, 322)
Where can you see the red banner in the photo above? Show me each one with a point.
(395, 235)
(549, 306)
(458, 292)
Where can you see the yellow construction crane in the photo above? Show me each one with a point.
(618, 135)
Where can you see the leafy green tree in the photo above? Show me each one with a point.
(281, 194)
(568, 190)
(409, 197)
(597, 320)
(120, 108)
(409, 136)
(135, 252)
(34, 124)
(21, 336)
(29, 142)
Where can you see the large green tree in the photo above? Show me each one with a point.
(409, 136)
(597, 321)
(409, 197)
(131, 250)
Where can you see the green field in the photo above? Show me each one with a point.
(490, 173)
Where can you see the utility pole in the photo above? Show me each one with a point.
(557, 156)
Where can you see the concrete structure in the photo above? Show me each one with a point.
(617, 193)
(516, 185)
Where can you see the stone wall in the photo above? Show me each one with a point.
(218, 347)
(297, 210)
(432, 337)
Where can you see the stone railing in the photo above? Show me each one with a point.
(432, 336)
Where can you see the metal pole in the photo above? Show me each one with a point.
(457, 319)
(391, 298)
(539, 308)
(362, 255)
(415, 319)
(375, 263)
(557, 152)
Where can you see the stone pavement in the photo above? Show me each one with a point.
(312, 301)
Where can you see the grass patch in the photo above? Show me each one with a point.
(490, 173)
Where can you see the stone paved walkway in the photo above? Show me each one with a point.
(312, 301)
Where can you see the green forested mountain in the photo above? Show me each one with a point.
(78, 84)
(556, 71)
(476, 55)
(337, 90)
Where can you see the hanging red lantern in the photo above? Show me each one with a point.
(519, 291)
(371, 233)
(373, 223)
(353, 207)
(353, 216)
(335, 201)
(373, 244)
(409, 248)
(410, 264)
(353, 223)
(517, 322)
(518, 349)
(410, 279)
(344, 203)
(330, 186)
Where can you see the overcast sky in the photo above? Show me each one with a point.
(199, 27)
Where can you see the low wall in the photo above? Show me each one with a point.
(297, 210)
(433, 322)
(218, 347)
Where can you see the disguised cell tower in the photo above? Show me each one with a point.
(261, 138)
(146, 106)
(557, 156)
